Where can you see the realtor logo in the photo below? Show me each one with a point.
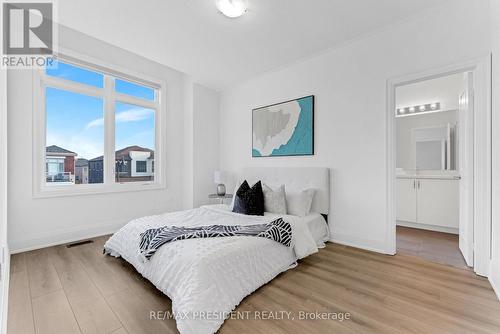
(28, 34)
(27, 28)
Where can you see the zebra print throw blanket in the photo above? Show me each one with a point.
(152, 239)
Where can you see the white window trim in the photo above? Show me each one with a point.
(40, 79)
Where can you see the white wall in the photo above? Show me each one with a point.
(405, 146)
(495, 46)
(187, 139)
(38, 222)
(350, 117)
(201, 142)
(206, 142)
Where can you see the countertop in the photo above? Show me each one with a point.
(429, 176)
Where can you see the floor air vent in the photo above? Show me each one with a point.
(79, 243)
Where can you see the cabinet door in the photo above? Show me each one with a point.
(438, 202)
(406, 200)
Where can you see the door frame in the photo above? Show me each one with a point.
(481, 69)
(4, 248)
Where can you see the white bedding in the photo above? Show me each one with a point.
(315, 221)
(208, 278)
(318, 228)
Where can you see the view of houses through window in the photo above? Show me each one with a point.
(75, 129)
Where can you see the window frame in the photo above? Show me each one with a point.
(41, 80)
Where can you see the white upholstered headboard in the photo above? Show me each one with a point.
(295, 179)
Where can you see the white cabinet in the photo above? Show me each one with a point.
(438, 202)
(429, 202)
(406, 200)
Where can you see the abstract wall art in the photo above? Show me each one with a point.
(284, 129)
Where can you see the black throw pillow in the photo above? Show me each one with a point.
(249, 201)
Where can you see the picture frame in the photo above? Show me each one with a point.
(284, 129)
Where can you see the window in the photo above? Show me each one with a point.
(135, 140)
(140, 166)
(91, 118)
(122, 167)
(129, 88)
(74, 73)
(70, 133)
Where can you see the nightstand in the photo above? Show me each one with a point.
(219, 199)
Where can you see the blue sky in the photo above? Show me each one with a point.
(75, 121)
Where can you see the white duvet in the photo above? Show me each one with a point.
(207, 278)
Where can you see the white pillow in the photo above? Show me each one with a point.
(274, 200)
(299, 204)
(236, 187)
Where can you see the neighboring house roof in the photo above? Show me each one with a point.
(56, 150)
(124, 153)
(81, 162)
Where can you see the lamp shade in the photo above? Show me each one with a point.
(220, 177)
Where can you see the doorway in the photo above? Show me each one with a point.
(439, 149)
(431, 130)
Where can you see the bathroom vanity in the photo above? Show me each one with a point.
(428, 201)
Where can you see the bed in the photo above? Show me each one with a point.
(207, 278)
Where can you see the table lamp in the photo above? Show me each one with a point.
(220, 177)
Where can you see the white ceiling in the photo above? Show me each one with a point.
(192, 37)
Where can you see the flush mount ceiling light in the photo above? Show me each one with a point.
(231, 8)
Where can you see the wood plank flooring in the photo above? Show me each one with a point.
(79, 290)
(430, 245)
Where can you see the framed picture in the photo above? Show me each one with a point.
(284, 129)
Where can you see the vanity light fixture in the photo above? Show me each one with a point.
(232, 8)
(419, 109)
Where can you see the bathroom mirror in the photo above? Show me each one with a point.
(430, 155)
(427, 142)
(434, 147)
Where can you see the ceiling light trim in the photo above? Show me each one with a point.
(232, 8)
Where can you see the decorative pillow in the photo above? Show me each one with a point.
(299, 204)
(236, 187)
(249, 201)
(274, 200)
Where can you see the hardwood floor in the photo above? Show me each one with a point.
(430, 245)
(79, 290)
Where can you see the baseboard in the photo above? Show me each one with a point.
(366, 244)
(65, 236)
(435, 228)
(494, 278)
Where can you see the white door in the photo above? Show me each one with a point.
(406, 200)
(437, 203)
(466, 169)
